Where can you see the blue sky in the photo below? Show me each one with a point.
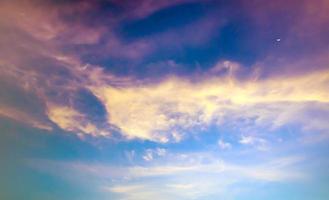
(166, 99)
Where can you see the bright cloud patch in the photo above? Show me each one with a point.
(159, 111)
(71, 120)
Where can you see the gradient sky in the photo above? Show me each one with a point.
(164, 99)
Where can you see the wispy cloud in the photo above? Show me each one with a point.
(171, 99)
(179, 177)
(24, 118)
(71, 120)
(155, 111)
(224, 145)
(151, 153)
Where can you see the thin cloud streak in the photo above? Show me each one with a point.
(137, 181)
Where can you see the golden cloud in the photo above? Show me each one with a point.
(71, 120)
(157, 111)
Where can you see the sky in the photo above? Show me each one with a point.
(164, 99)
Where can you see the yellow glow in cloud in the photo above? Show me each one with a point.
(71, 120)
(157, 111)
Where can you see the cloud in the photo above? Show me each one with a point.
(151, 153)
(71, 120)
(166, 110)
(24, 118)
(161, 151)
(126, 188)
(145, 8)
(264, 172)
(178, 177)
(259, 143)
(148, 155)
(224, 145)
(156, 111)
(145, 88)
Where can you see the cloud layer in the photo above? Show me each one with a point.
(51, 57)
(164, 99)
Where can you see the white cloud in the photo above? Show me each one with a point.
(180, 177)
(148, 156)
(151, 153)
(161, 151)
(224, 145)
(259, 143)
